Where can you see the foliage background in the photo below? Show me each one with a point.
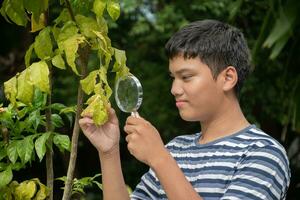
(270, 98)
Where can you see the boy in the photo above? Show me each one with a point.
(228, 159)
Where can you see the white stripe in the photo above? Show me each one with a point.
(211, 190)
(205, 154)
(210, 164)
(265, 169)
(230, 197)
(153, 187)
(146, 190)
(210, 176)
(180, 145)
(247, 190)
(274, 158)
(258, 181)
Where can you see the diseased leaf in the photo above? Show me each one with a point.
(62, 142)
(88, 84)
(10, 90)
(5, 177)
(40, 145)
(113, 9)
(43, 44)
(70, 47)
(24, 87)
(39, 75)
(26, 190)
(98, 7)
(97, 109)
(37, 23)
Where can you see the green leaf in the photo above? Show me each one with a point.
(283, 24)
(28, 55)
(25, 87)
(35, 119)
(279, 46)
(26, 190)
(57, 106)
(14, 9)
(87, 25)
(3, 153)
(62, 142)
(43, 44)
(10, 89)
(113, 9)
(39, 99)
(64, 16)
(25, 149)
(88, 84)
(234, 7)
(57, 120)
(39, 75)
(12, 151)
(98, 7)
(5, 177)
(40, 145)
(58, 61)
(69, 109)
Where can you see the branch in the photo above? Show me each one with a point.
(49, 128)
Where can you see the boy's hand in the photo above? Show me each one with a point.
(144, 141)
(106, 137)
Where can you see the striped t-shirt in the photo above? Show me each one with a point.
(246, 165)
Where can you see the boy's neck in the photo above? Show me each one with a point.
(229, 120)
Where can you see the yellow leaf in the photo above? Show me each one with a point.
(26, 190)
(39, 76)
(37, 25)
(24, 87)
(98, 7)
(10, 89)
(58, 62)
(87, 25)
(70, 47)
(97, 109)
(88, 84)
(113, 9)
(43, 44)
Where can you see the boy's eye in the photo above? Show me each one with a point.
(186, 77)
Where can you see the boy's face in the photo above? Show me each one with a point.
(198, 96)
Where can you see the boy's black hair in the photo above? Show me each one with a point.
(217, 44)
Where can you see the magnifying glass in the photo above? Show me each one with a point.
(129, 94)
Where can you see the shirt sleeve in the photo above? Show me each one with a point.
(148, 188)
(262, 173)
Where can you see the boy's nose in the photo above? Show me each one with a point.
(176, 89)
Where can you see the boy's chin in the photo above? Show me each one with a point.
(188, 117)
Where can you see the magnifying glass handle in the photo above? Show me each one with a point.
(135, 114)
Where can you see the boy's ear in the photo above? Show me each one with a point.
(229, 78)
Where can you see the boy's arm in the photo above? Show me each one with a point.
(172, 179)
(145, 144)
(114, 186)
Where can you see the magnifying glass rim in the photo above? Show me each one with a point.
(139, 88)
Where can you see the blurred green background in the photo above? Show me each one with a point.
(270, 98)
